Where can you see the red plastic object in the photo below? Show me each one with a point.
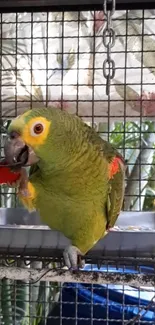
(6, 175)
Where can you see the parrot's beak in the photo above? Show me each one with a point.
(17, 153)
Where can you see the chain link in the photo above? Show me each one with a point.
(142, 312)
(108, 42)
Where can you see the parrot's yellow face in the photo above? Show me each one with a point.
(33, 131)
(27, 135)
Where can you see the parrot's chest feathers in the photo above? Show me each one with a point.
(65, 199)
(62, 199)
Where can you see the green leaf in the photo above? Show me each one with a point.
(6, 304)
(71, 59)
(131, 95)
(20, 300)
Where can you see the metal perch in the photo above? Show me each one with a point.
(34, 275)
(21, 233)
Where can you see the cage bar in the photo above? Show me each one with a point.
(118, 281)
(49, 5)
(21, 233)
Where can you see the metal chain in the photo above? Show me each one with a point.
(150, 305)
(108, 42)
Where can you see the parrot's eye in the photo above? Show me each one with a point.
(38, 128)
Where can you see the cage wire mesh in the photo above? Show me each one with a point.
(56, 58)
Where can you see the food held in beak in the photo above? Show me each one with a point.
(13, 178)
(6, 175)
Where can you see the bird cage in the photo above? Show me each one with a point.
(95, 59)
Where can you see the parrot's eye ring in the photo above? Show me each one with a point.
(38, 128)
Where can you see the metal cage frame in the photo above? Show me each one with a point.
(49, 5)
(24, 241)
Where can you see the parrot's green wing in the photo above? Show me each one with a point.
(109, 151)
(115, 196)
(116, 177)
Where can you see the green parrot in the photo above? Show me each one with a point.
(76, 180)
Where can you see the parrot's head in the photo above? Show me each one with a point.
(29, 138)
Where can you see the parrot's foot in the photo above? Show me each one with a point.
(14, 184)
(21, 184)
(72, 257)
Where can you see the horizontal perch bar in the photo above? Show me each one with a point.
(53, 275)
(21, 233)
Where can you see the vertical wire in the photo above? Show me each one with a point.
(47, 26)
(78, 50)
(31, 67)
(1, 84)
(141, 110)
(16, 93)
(125, 83)
(93, 67)
(62, 63)
(61, 323)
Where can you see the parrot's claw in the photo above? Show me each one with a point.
(72, 257)
(14, 184)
